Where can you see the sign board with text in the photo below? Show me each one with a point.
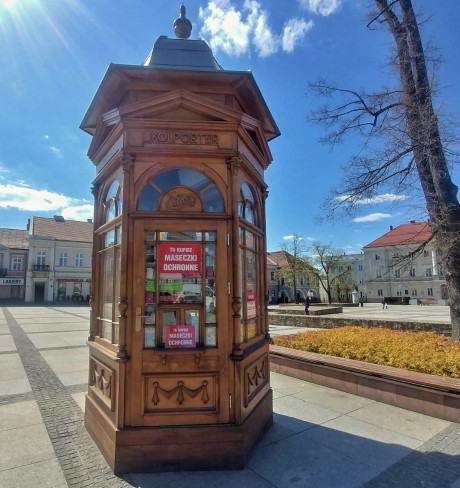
(180, 336)
(180, 258)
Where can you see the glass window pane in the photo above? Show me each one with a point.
(212, 200)
(247, 193)
(149, 199)
(181, 177)
(210, 263)
(169, 317)
(117, 293)
(113, 190)
(211, 337)
(249, 213)
(111, 211)
(180, 236)
(192, 317)
(149, 337)
(210, 236)
(107, 292)
(110, 238)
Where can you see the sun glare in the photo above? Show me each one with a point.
(8, 4)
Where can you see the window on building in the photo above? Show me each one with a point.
(250, 261)
(399, 293)
(440, 272)
(301, 281)
(79, 260)
(203, 194)
(377, 257)
(428, 272)
(430, 292)
(282, 281)
(360, 267)
(406, 292)
(412, 272)
(426, 253)
(380, 292)
(413, 292)
(63, 259)
(17, 263)
(41, 258)
(378, 273)
(397, 273)
(272, 276)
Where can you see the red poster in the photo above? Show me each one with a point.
(180, 336)
(180, 258)
(251, 304)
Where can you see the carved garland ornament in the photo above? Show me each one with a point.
(181, 391)
(102, 383)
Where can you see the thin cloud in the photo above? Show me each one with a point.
(29, 199)
(55, 150)
(321, 7)
(78, 212)
(385, 198)
(373, 217)
(294, 32)
(235, 32)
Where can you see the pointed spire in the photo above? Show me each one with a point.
(182, 26)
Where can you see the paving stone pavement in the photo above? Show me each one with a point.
(320, 437)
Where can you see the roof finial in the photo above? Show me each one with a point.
(182, 26)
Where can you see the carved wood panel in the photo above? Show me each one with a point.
(181, 393)
(102, 382)
(256, 377)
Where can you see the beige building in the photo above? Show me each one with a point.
(14, 246)
(59, 267)
(402, 266)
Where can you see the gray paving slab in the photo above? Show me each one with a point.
(6, 343)
(320, 437)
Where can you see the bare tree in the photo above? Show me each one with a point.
(296, 265)
(402, 145)
(325, 265)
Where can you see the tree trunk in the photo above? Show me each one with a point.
(439, 190)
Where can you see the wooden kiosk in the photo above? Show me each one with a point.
(179, 374)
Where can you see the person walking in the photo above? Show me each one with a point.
(384, 302)
(307, 304)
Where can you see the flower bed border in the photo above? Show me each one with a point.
(432, 395)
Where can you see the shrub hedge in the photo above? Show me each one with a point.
(425, 352)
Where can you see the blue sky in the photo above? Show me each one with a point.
(55, 52)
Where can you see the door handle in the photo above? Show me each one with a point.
(139, 318)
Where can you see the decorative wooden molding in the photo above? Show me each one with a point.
(256, 377)
(181, 394)
(102, 381)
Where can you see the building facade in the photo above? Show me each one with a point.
(402, 266)
(59, 265)
(14, 246)
(280, 282)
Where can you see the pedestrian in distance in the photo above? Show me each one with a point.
(307, 304)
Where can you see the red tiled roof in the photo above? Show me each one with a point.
(64, 230)
(14, 238)
(413, 233)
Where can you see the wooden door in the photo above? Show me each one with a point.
(181, 346)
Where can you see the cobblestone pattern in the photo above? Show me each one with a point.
(81, 461)
(435, 464)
